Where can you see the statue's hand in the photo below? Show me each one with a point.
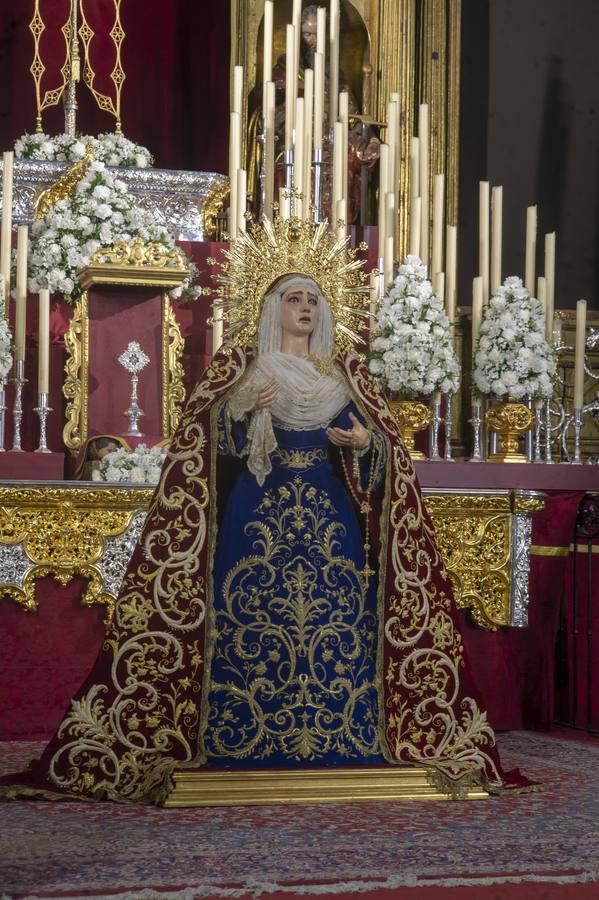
(356, 438)
(266, 395)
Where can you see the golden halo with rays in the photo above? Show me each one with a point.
(267, 252)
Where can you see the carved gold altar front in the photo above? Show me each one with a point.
(77, 529)
(136, 265)
(408, 46)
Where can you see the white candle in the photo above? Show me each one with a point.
(496, 237)
(296, 21)
(269, 150)
(21, 299)
(395, 99)
(438, 223)
(241, 199)
(321, 30)
(580, 347)
(392, 137)
(531, 249)
(550, 278)
(477, 312)
(423, 135)
(298, 157)
(308, 114)
(388, 263)
(290, 87)
(556, 334)
(43, 358)
(267, 52)
(414, 168)
(318, 99)
(238, 89)
(284, 203)
(341, 220)
(234, 165)
(344, 119)
(383, 190)
(451, 268)
(217, 329)
(415, 205)
(439, 285)
(333, 62)
(483, 236)
(6, 235)
(374, 294)
(542, 298)
(338, 163)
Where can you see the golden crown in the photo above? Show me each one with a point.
(267, 252)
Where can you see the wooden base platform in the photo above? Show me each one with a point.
(258, 787)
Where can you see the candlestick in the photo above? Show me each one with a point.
(580, 347)
(434, 428)
(548, 450)
(2, 414)
(476, 421)
(538, 426)
(438, 223)
(448, 427)
(6, 234)
(451, 265)
(550, 278)
(423, 135)
(577, 461)
(496, 237)
(267, 50)
(21, 292)
(483, 237)
(43, 408)
(531, 249)
(19, 381)
(43, 358)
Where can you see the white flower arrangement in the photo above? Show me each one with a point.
(5, 345)
(133, 359)
(111, 149)
(99, 212)
(413, 353)
(139, 466)
(512, 355)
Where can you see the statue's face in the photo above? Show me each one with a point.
(309, 32)
(299, 311)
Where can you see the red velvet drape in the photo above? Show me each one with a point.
(175, 97)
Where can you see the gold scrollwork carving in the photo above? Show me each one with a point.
(64, 187)
(135, 262)
(76, 342)
(63, 533)
(173, 387)
(212, 205)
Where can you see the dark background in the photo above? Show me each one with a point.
(530, 93)
(528, 113)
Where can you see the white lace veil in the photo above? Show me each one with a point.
(306, 399)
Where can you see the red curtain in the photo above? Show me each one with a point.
(175, 98)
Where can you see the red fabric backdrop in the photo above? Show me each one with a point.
(175, 97)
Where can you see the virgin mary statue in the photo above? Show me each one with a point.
(286, 604)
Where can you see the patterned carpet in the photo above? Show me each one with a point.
(104, 850)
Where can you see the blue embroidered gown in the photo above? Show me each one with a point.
(295, 624)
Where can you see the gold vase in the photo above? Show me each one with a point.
(509, 419)
(411, 416)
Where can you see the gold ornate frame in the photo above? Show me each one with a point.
(138, 265)
(415, 48)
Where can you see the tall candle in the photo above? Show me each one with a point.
(392, 138)
(438, 222)
(477, 311)
(483, 236)
(531, 249)
(550, 278)
(451, 267)
(298, 157)
(308, 115)
(580, 346)
(333, 62)
(542, 298)
(234, 165)
(395, 99)
(318, 99)
(496, 237)
(284, 203)
(341, 220)
(267, 51)
(338, 163)
(423, 135)
(217, 329)
(374, 294)
(241, 199)
(290, 87)
(43, 357)
(321, 30)
(296, 21)
(439, 285)
(415, 205)
(6, 234)
(238, 89)
(388, 264)
(269, 150)
(383, 190)
(414, 168)
(21, 299)
(344, 119)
